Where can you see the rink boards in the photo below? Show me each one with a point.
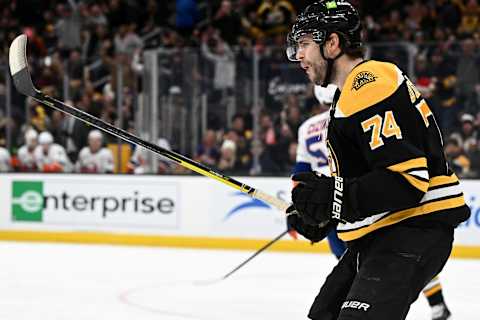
(178, 211)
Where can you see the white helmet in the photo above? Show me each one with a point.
(31, 136)
(325, 94)
(163, 143)
(45, 138)
(95, 134)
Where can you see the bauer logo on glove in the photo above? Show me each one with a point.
(319, 199)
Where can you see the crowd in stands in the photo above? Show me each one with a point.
(80, 50)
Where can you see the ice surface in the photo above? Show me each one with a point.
(80, 282)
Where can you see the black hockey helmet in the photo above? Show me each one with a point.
(322, 18)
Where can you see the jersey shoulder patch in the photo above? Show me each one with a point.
(368, 84)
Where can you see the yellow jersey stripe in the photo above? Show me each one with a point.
(443, 180)
(432, 291)
(426, 208)
(419, 184)
(409, 164)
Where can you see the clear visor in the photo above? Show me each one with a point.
(292, 53)
(294, 37)
(292, 47)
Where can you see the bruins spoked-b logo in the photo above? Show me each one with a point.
(362, 79)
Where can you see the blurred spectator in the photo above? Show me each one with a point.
(474, 156)
(468, 77)
(447, 14)
(127, 41)
(243, 140)
(5, 160)
(51, 157)
(187, 16)
(424, 80)
(416, 13)
(118, 12)
(444, 101)
(96, 16)
(274, 156)
(456, 157)
(35, 41)
(68, 27)
(75, 132)
(220, 54)
(293, 116)
(97, 37)
(228, 22)
(292, 155)
(275, 17)
(468, 135)
(138, 162)
(95, 158)
(227, 159)
(75, 71)
(38, 117)
(470, 21)
(26, 154)
(267, 130)
(207, 152)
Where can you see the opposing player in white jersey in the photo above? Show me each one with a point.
(26, 153)
(5, 160)
(138, 163)
(312, 148)
(50, 156)
(312, 155)
(312, 152)
(94, 158)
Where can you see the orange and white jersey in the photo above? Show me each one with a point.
(5, 160)
(54, 160)
(26, 159)
(97, 162)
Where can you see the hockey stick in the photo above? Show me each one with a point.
(265, 247)
(23, 83)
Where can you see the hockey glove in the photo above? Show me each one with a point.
(319, 199)
(312, 233)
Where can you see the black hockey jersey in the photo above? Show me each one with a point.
(383, 135)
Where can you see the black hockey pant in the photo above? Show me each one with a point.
(379, 277)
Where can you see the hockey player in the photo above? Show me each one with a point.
(138, 163)
(5, 160)
(26, 153)
(311, 156)
(51, 157)
(391, 196)
(95, 158)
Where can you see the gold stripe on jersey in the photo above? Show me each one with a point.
(409, 164)
(433, 283)
(443, 180)
(368, 84)
(431, 292)
(419, 184)
(420, 164)
(398, 216)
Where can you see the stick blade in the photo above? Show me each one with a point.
(19, 66)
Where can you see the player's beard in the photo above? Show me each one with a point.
(319, 71)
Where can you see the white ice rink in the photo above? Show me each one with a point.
(90, 282)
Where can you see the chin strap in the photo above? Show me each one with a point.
(330, 62)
